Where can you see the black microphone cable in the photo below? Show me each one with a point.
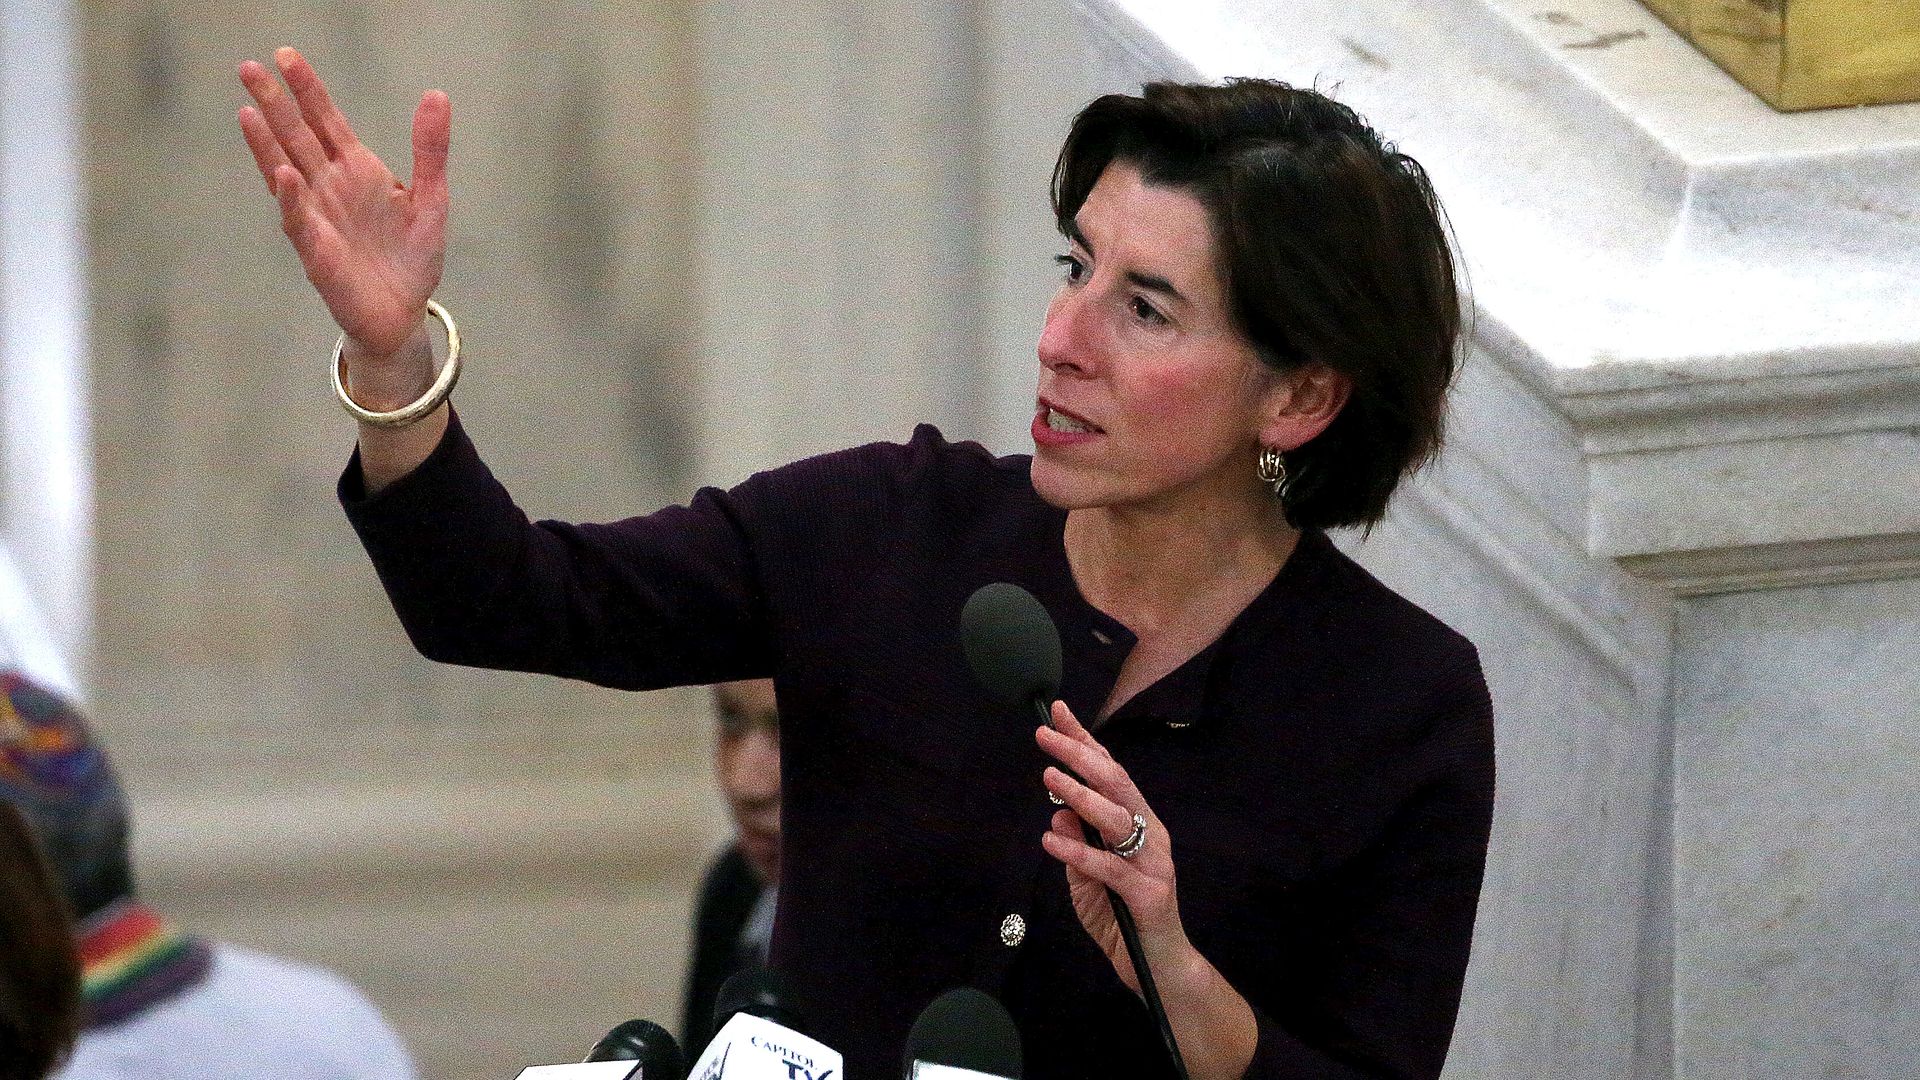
(1013, 648)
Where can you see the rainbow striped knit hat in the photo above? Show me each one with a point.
(61, 781)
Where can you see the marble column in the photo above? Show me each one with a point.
(1680, 515)
(46, 489)
(837, 227)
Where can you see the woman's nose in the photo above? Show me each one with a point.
(1064, 342)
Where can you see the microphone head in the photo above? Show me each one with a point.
(1011, 644)
(965, 1029)
(756, 991)
(645, 1042)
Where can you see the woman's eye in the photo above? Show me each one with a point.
(1146, 312)
(1075, 268)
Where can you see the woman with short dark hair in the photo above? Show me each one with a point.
(39, 965)
(1333, 251)
(1292, 776)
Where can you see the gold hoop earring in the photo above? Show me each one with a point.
(1272, 470)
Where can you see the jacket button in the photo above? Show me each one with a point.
(1013, 930)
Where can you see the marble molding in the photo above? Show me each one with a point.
(1679, 513)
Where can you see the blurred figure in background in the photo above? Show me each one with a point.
(159, 1003)
(39, 969)
(734, 920)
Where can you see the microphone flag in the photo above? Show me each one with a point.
(750, 1047)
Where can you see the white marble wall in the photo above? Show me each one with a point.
(1797, 832)
(1571, 943)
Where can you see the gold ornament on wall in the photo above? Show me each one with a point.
(1808, 54)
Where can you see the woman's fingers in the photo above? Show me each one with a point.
(1114, 821)
(292, 192)
(316, 106)
(267, 154)
(1077, 750)
(289, 128)
(1066, 823)
(1076, 734)
(313, 239)
(1069, 724)
(432, 135)
(1132, 883)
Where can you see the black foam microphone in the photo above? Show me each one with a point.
(756, 991)
(963, 1029)
(636, 1050)
(645, 1042)
(1013, 648)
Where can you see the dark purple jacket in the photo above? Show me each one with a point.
(1325, 769)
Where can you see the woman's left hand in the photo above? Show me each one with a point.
(1108, 801)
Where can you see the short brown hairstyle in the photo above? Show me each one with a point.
(1332, 249)
(39, 961)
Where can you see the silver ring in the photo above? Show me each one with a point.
(1136, 840)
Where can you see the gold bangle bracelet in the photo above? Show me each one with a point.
(421, 406)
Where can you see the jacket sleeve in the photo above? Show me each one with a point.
(670, 598)
(1384, 963)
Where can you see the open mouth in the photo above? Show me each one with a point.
(1060, 420)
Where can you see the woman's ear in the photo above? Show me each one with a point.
(1301, 404)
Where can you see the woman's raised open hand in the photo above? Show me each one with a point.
(371, 245)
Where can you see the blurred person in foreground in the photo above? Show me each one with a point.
(733, 919)
(39, 967)
(1289, 766)
(160, 1003)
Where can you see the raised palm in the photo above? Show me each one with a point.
(371, 245)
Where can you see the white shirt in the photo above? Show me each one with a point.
(253, 1016)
